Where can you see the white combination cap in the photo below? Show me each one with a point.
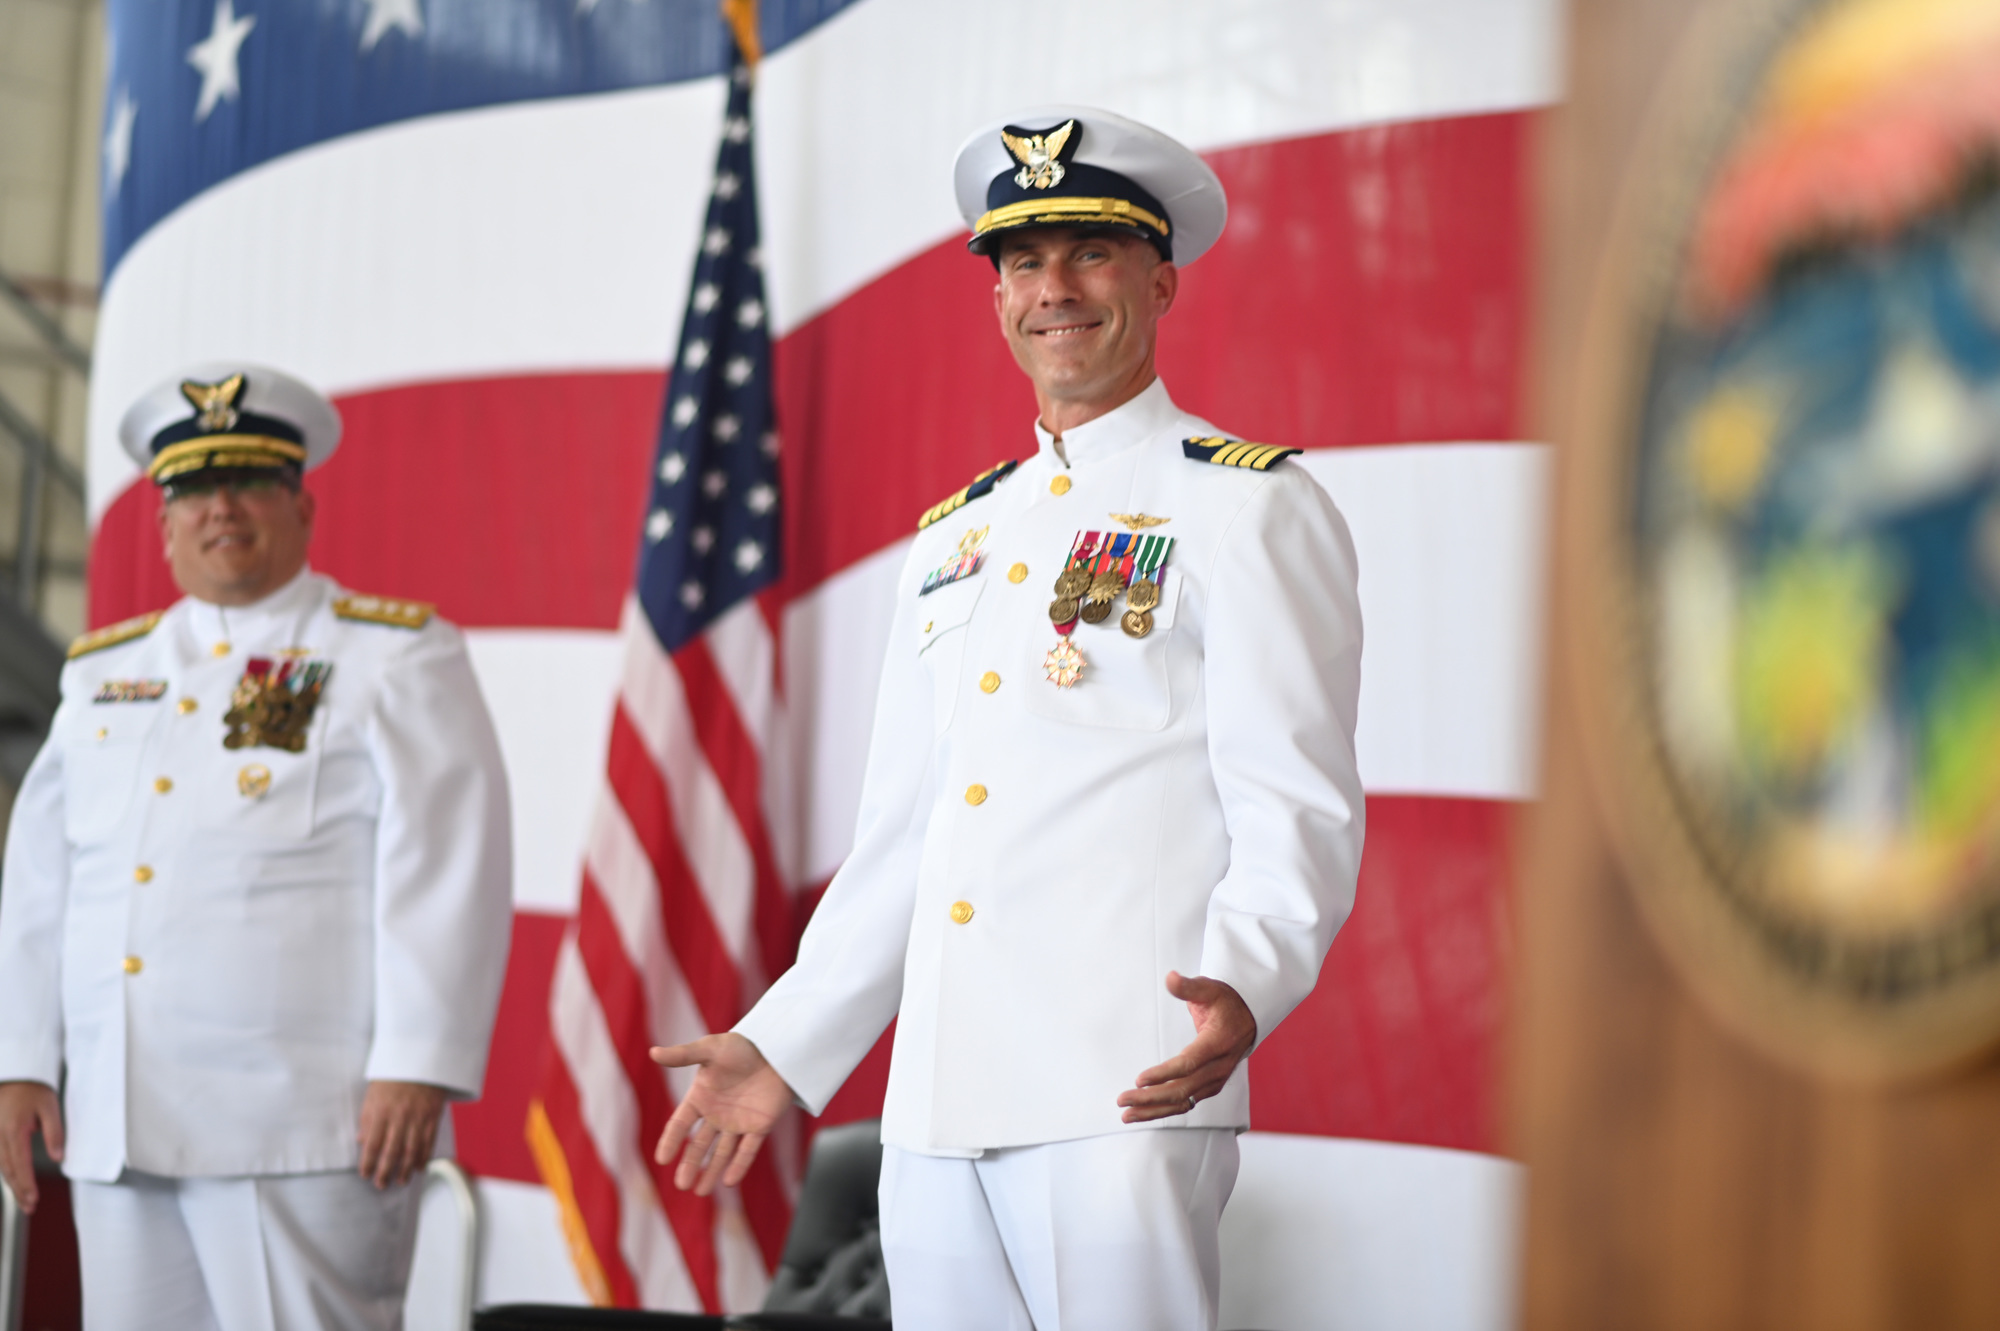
(229, 415)
(1078, 166)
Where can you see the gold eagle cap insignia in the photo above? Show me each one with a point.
(1137, 521)
(214, 404)
(1039, 155)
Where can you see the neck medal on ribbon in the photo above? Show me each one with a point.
(962, 564)
(271, 707)
(1101, 567)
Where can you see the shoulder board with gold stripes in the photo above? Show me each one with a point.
(982, 484)
(1235, 453)
(113, 634)
(383, 610)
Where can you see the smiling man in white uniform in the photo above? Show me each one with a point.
(1111, 819)
(256, 903)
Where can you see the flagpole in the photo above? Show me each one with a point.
(741, 15)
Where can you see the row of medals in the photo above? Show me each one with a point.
(1081, 596)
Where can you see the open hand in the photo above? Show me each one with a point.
(1224, 1031)
(399, 1125)
(736, 1099)
(25, 1106)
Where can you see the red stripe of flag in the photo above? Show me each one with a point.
(733, 756)
(692, 936)
(621, 995)
(767, 1207)
(595, 1191)
(737, 764)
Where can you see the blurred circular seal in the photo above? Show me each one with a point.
(1784, 539)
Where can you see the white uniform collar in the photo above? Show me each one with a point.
(275, 621)
(1115, 431)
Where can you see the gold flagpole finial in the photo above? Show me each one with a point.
(741, 15)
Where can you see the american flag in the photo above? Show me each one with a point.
(683, 918)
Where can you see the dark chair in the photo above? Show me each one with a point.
(831, 1276)
(833, 1256)
(556, 1317)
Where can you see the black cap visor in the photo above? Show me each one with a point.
(199, 480)
(1088, 197)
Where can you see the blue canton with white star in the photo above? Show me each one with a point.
(711, 533)
(199, 90)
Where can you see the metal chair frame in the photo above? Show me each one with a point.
(13, 1260)
(459, 1182)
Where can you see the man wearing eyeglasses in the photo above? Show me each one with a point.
(256, 904)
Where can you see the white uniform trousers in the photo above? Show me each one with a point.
(1108, 1233)
(279, 1252)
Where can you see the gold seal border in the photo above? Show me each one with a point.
(1711, 933)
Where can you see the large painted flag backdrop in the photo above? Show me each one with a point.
(474, 222)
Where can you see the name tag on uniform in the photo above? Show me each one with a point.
(131, 690)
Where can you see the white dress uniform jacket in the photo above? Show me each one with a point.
(222, 961)
(1191, 804)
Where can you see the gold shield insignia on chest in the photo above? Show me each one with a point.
(272, 705)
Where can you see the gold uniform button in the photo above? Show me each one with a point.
(1059, 485)
(163, 784)
(143, 874)
(103, 733)
(975, 794)
(186, 705)
(220, 649)
(961, 912)
(1018, 573)
(988, 682)
(133, 965)
(931, 625)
